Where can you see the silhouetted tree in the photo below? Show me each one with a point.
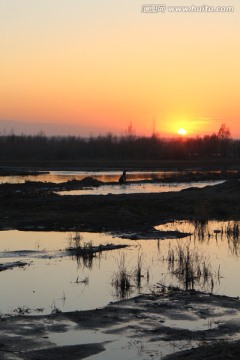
(224, 132)
(224, 136)
(111, 147)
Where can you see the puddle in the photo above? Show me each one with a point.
(119, 346)
(192, 325)
(53, 280)
(104, 176)
(134, 349)
(131, 349)
(79, 337)
(137, 188)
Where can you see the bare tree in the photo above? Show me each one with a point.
(224, 132)
(224, 136)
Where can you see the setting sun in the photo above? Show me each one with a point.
(182, 132)
(51, 81)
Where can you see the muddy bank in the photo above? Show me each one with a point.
(169, 177)
(220, 350)
(156, 324)
(11, 265)
(131, 213)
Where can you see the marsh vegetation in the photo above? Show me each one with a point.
(189, 263)
(165, 262)
(192, 268)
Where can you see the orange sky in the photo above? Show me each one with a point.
(100, 66)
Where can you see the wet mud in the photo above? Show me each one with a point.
(169, 324)
(166, 320)
(127, 213)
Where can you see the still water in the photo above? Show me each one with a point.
(63, 176)
(52, 279)
(138, 188)
(104, 176)
(136, 177)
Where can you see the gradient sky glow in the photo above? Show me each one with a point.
(99, 65)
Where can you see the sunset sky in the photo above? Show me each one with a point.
(89, 67)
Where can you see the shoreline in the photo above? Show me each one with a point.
(152, 323)
(131, 213)
(153, 320)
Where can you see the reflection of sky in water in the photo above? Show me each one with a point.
(111, 176)
(104, 176)
(62, 176)
(137, 188)
(50, 279)
(119, 347)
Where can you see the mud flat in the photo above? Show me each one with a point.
(11, 265)
(157, 324)
(166, 323)
(132, 213)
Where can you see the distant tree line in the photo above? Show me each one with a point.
(110, 146)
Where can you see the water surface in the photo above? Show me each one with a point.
(54, 280)
(63, 176)
(138, 188)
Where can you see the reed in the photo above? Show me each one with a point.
(138, 271)
(121, 280)
(190, 267)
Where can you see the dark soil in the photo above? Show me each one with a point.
(147, 320)
(32, 206)
(218, 350)
(36, 210)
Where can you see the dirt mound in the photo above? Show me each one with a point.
(87, 181)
